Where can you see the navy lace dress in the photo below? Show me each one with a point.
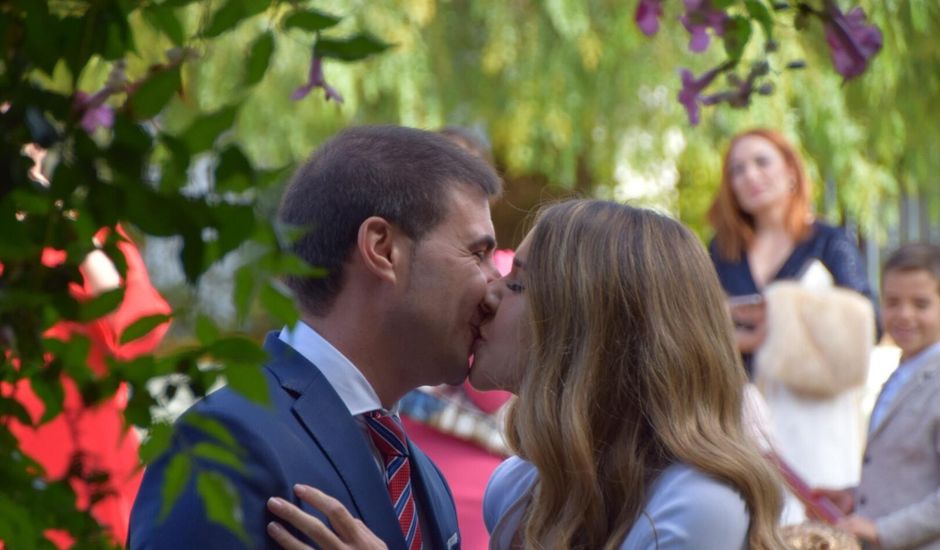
(830, 245)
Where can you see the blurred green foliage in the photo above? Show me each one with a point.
(112, 89)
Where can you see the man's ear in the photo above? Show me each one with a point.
(382, 247)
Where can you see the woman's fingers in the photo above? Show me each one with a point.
(349, 529)
(284, 538)
(306, 523)
(339, 516)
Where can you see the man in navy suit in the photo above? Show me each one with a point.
(400, 219)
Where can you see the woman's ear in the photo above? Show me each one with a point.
(382, 247)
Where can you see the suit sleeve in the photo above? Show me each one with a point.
(918, 523)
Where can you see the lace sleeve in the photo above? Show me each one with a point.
(844, 261)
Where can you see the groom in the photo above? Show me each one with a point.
(400, 219)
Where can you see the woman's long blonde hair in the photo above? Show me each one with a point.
(632, 369)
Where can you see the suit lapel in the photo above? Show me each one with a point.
(928, 370)
(336, 432)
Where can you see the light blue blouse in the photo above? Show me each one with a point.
(686, 510)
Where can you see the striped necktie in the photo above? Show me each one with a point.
(389, 438)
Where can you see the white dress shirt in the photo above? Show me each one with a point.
(348, 382)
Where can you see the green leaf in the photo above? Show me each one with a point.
(11, 408)
(223, 505)
(193, 255)
(116, 41)
(721, 4)
(75, 349)
(158, 441)
(226, 18)
(48, 387)
(143, 326)
(235, 223)
(163, 19)
(213, 428)
(39, 26)
(254, 7)
(267, 178)
(174, 482)
(234, 170)
(280, 303)
(175, 174)
(245, 288)
(206, 331)
(356, 47)
(130, 137)
(259, 58)
(290, 264)
(100, 305)
(155, 92)
(29, 202)
(237, 349)
(737, 33)
(137, 371)
(220, 455)
(147, 210)
(248, 380)
(761, 14)
(310, 20)
(138, 408)
(72, 355)
(203, 131)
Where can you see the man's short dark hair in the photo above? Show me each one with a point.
(400, 174)
(912, 257)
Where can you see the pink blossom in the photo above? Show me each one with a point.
(647, 16)
(700, 16)
(95, 113)
(852, 42)
(691, 93)
(316, 80)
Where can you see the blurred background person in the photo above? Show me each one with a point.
(897, 502)
(765, 233)
(92, 445)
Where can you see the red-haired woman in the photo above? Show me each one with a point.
(765, 232)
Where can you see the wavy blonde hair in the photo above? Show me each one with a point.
(632, 368)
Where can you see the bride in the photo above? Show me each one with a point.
(612, 330)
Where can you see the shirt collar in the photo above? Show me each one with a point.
(919, 360)
(348, 382)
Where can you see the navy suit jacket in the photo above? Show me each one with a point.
(305, 435)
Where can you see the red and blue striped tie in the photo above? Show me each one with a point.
(389, 439)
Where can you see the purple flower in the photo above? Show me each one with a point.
(691, 93)
(647, 16)
(95, 113)
(852, 42)
(316, 80)
(699, 16)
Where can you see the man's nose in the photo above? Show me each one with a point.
(492, 297)
(489, 269)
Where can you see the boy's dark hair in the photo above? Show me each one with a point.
(400, 174)
(914, 256)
